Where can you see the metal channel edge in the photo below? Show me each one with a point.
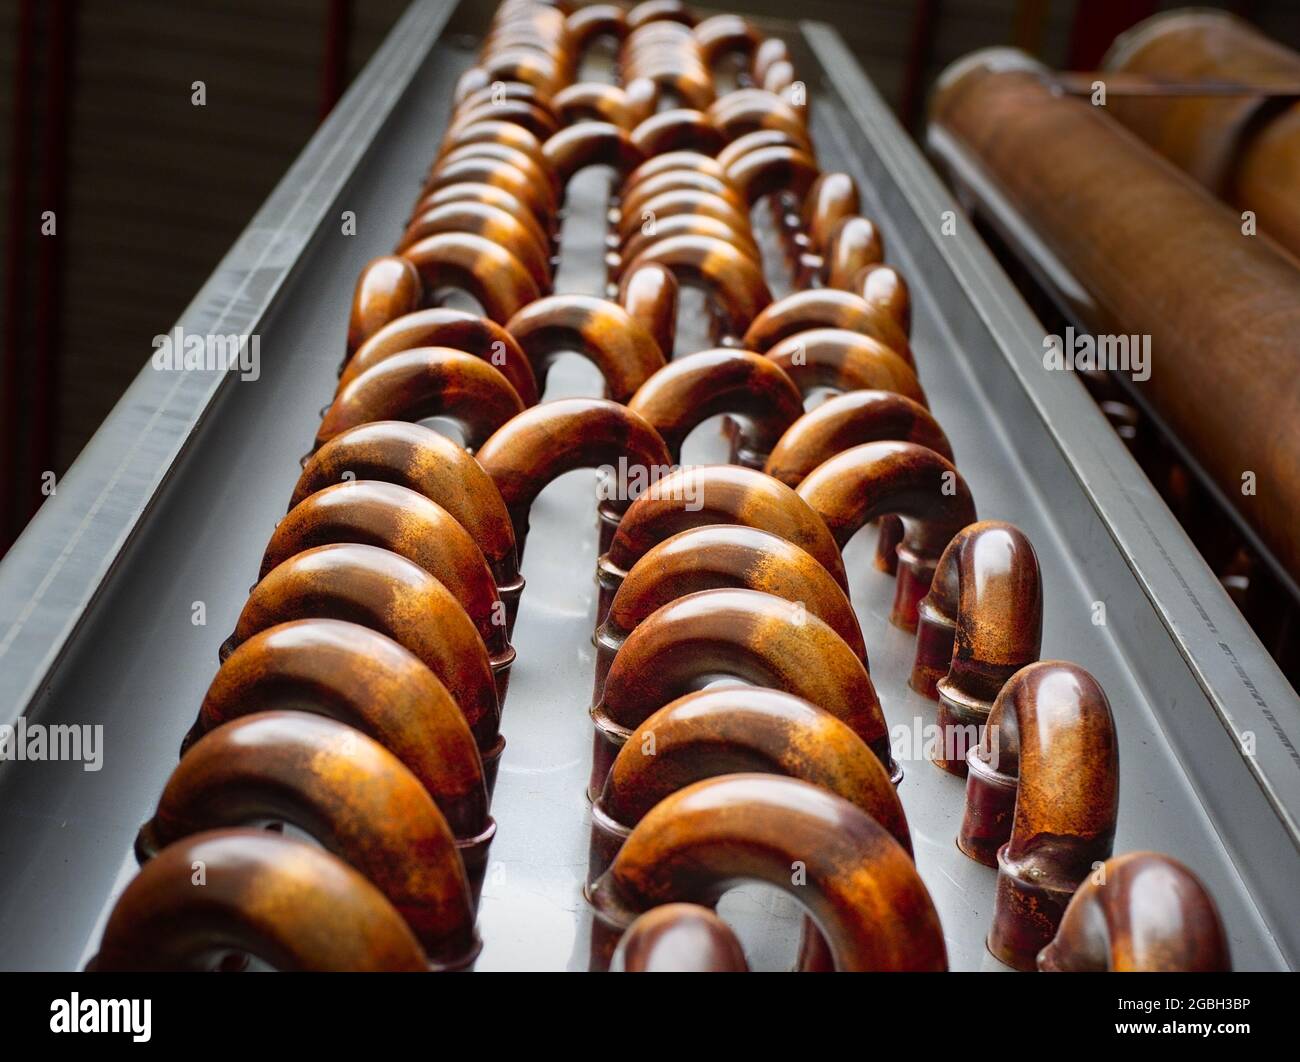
(1224, 664)
(53, 573)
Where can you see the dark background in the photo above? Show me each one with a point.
(149, 191)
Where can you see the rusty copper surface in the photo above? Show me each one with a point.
(744, 634)
(861, 887)
(387, 288)
(899, 479)
(290, 903)
(608, 335)
(344, 789)
(679, 938)
(981, 622)
(688, 391)
(1041, 800)
(1140, 912)
(425, 382)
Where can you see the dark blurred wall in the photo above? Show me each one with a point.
(148, 190)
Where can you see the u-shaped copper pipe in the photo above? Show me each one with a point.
(425, 382)
(388, 288)
(758, 140)
(660, 229)
(772, 50)
(981, 622)
(671, 180)
(396, 518)
(624, 351)
(677, 129)
(679, 938)
(649, 294)
(717, 556)
(349, 793)
(722, 35)
(492, 275)
(492, 223)
(894, 479)
(654, 210)
(713, 494)
(883, 286)
(753, 109)
(826, 308)
(748, 635)
(752, 388)
(490, 131)
(649, 11)
(733, 281)
(420, 458)
(539, 198)
(587, 24)
(854, 244)
(550, 439)
(767, 170)
(1042, 795)
(1141, 912)
(832, 197)
(537, 172)
(732, 730)
(366, 680)
(263, 895)
(576, 147)
(596, 101)
(498, 93)
(672, 161)
(392, 595)
(845, 361)
(443, 326)
(859, 885)
(523, 113)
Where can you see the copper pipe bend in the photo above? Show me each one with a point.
(894, 479)
(523, 113)
(678, 129)
(492, 223)
(686, 392)
(344, 789)
(714, 557)
(538, 173)
(387, 288)
(586, 24)
(854, 244)
(595, 101)
(653, 210)
(671, 180)
(883, 286)
(392, 595)
(407, 523)
(445, 327)
(649, 11)
(753, 110)
(550, 439)
(649, 294)
(713, 494)
(721, 35)
(981, 622)
(489, 131)
(761, 172)
(861, 887)
(748, 635)
(657, 230)
(478, 192)
(1141, 912)
(679, 938)
(364, 679)
(576, 147)
(670, 162)
(492, 275)
(540, 198)
(426, 382)
(758, 140)
(831, 197)
(826, 308)
(264, 895)
(417, 457)
(604, 332)
(845, 361)
(1045, 780)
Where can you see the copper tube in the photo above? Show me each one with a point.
(1228, 390)
(717, 556)
(722, 35)
(753, 389)
(522, 113)
(981, 622)
(758, 140)
(734, 282)
(349, 793)
(538, 173)
(604, 332)
(264, 895)
(490, 222)
(848, 420)
(673, 160)
(745, 634)
(671, 180)
(653, 10)
(426, 382)
(392, 595)
(540, 198)
(845, 361)
(754, 109)
(770, 51)
(831, 197)
(595, 101)
(495, 278)
(437, 467)
(445, 327)
(576, 147)
(586, 24)
(761, 172)
(497, 93)
(826, 308)
(678, 201)
(387, 288)
(883, 286)
(1045, 780)
(553, 438)
(780, 77)
(1140, 912)
(714, 494)
(490, 131)
(679, 938)
(861, 887)
(364, 679)
(656, 230)
(678, 129)
(733, 730)
(649, 294)
(404, 521)
(854, 244)
(899, 479)
(478, 192)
